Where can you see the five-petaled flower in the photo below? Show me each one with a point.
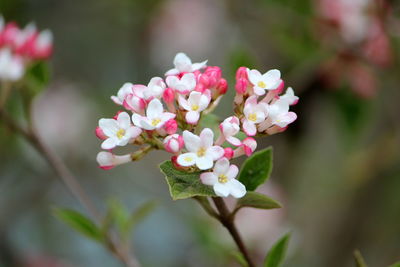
(267, 81)
(155, 116)
(222, 178)
(202, 152)
(183, 85)
(183, 63)
(196, 103)
(254, 113)
(118, 131)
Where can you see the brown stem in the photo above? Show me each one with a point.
(70, 181)
(227, 220)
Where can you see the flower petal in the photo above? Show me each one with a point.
(232, 172)
(221, 190)
(192, 141)
(215, 152)
(192, 117)
(207, 137)
(236, 188)
(208, 178)
(109, 143)
(204, 163)
(154, 109)
(124, 120)
(221, 166)
(187, 159)
(249, 128)
(109, 126)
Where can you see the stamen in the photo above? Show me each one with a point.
(261, 84)
(253, 117)
(154, 122)
(120, 133)
(201, 152)
(222, 178)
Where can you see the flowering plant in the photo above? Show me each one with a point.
(175, 114)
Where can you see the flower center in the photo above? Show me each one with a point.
(195, 107)
(154, 122)
(201, 152)
(261, 84)
(222, 178)
(252, 117)
(188, 159)
(120, 133)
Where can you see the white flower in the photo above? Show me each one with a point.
(11, 66)
(254, 113)
(118, 132)
(125, 90)
(107, 160)
(222, 178)
(183, 85)
(155, 116)
(155, 88)
(279, 113)
(201, 153)
(267, 81)
(289, 97)
(196, 103)
(183, 63)
(229, 128)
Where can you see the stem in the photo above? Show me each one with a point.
(227, 220)
(70, 181)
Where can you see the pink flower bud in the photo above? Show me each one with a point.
(107, 160)
(173, 143)
(228, 153)
(241, 73)
(214, 75)
(241, 85)
(222, 86)
(169, 95)
(43, 46)
(249, 145)
(280, 88)
(200, 88)
(134, 103)
(204, 80)
(171, 126)
(100, 134)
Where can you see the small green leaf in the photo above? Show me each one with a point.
(184, 185)
(277, 252)
(359, 260)
(256, 169)
(80, 223)
(397, 264)
(258, 201)
(137, 216)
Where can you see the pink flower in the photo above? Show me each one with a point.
(184, 85)
(229, 128)
(155, 116)
(107, 160)
(254, 114)
(262, 82)
(196, 103)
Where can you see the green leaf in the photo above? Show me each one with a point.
(256, 169)
(184, 185)
(137, 216)
(359, 260)
(397, 264)
(277, 252)
(117, 214)
(258, 201)
(80, 223)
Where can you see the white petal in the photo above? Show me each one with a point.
(215, 152)
(207, 137)
(200, 65)
(221, 190)
(272, 75)
(258, 90)
(204, 163)
(182, 62)
(133, 132)
(208, 178)
(109, 143)
(203, 103)
(254, 76)
(189, 80)
(221, 166)
(146, 124)
(172, 72)
(192, 117)
(233, 140)
(249, 128)
(136, 119)
(124, 120)
(183, 103)
(194, 98)
(236, 188)
(192, 142)
(154, 109)
(109, 126)
(186, 159)
(232, 172)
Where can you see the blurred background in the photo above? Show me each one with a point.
(337, 168)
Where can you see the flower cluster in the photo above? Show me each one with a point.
(19, 47)
(166, 114)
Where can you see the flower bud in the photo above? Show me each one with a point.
(134, 103)
(222, 86)
(171, 126)
(107, 160)
(173, 143)
(241, 85)
(228, 153)
(241, 73)
(204, 80)
(168, 95)
(249, 145)
(100, 134)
